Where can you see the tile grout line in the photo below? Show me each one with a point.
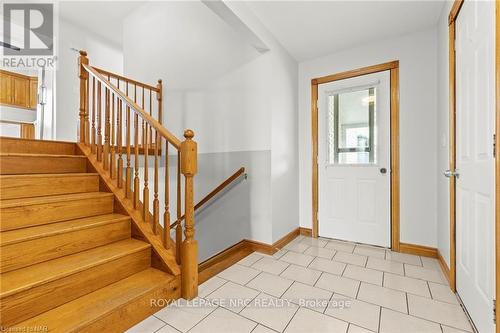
(379, 318)
(407, 304)
(298, 308)
(256, 322)
(239, 314)
(222, 285)
(286, 289)
(430, 291)
(202, 319)
(359, 288)
(168, 326)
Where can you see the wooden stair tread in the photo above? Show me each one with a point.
(45, 175)
(20, 235)
(18, 145)
(51, 198)
(75, 315)
(40, 155)
(14, 186)
(44, 272)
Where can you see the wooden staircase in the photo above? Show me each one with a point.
(72, 259)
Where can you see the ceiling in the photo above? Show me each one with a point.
(104, 18)
(311, 29)
(183, 42)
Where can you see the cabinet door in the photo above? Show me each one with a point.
(33, 93)
(6, 88)
(21, 92)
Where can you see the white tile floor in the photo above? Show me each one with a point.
(319, 285)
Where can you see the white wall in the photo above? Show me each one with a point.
(442, 116)
(417, 55)
(101, 53)
(242, 105)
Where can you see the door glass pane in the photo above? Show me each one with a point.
(351, 127)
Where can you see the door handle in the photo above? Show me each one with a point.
(383, 170)
(448, 173)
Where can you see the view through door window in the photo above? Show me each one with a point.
(351, 127)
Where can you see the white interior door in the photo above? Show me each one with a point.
(475, 110)
(354, 159)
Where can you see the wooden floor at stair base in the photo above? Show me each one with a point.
(114, 308)
(45, 296)
(78, 237)
(28, 186)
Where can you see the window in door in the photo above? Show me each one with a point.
(351, 127)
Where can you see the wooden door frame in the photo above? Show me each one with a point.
(455, 10)
(393, 67)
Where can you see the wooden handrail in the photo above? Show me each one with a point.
(118, 110)
(172, 139)
(213, 193)
(126, 79)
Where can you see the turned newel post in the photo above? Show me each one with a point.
(189, 248)
(84, 112)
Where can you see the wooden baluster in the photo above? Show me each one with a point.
(136, 160)
(189, 249)
(118, 134)
(156, 202)
(151, 114)
(166, 215)
(143, 126)
(145, 194)
(160, 100)
(178, 228)
(99, 121)
(128, 171)
(87, 109)
(120, 145)
(83, 75)
(106, 130)
(112, 158)
(94, 147)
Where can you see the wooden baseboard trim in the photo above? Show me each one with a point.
(280, 243)
(260, 247)
(419, 250)
(444, 266)
(223, 260)
(305, 231)
(238, 251)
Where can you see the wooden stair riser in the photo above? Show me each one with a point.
(114, 308)
(130, 314)
(32, 302)
(37, 214)
(33, 251)
(13, 145)
(22, 186)
(19, 165)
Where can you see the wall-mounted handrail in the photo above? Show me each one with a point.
(214, 192)
(135, 107)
